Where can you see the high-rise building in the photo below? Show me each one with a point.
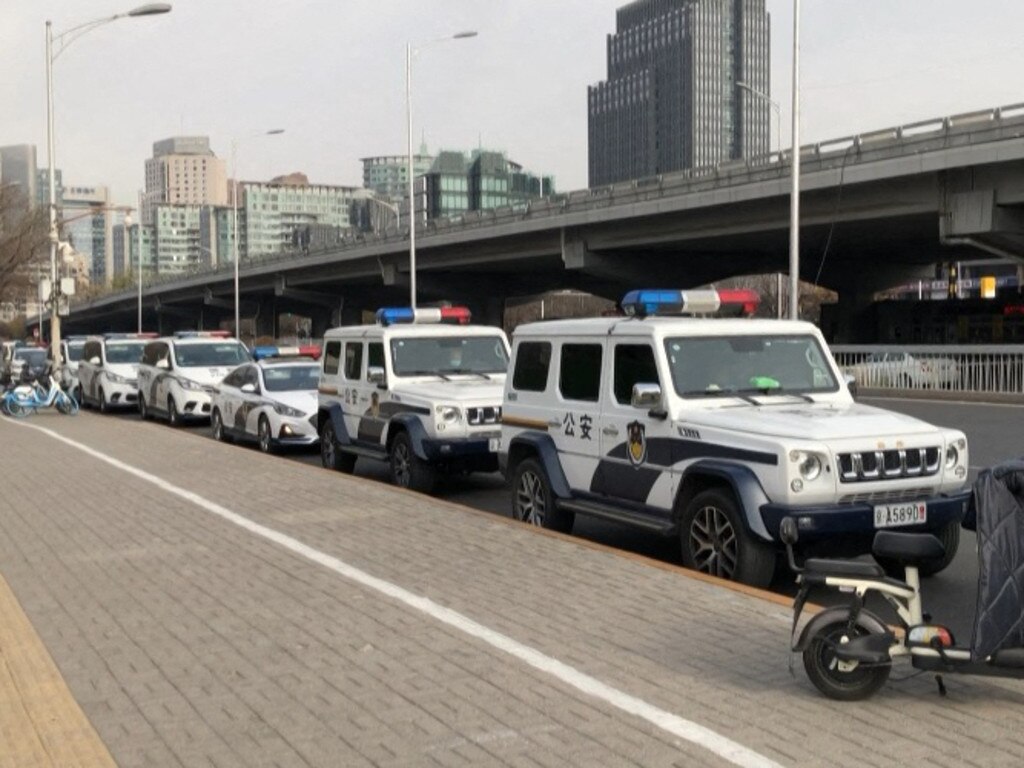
(126, 249)
(176, 238)
(687, 86)
(285, 212)
(216, 235)
(18, 168)
(485, 180)
(88, 223)
(388, 175)
(183, 171)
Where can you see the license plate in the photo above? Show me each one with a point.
(906, 513)
(493, 444)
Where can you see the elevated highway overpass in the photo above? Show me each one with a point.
(877, 209)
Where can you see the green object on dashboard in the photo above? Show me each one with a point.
(764, 382)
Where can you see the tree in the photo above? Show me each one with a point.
(24, 234)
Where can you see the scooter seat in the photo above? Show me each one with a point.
(855, 568)
(907, 547)
(1009, 657)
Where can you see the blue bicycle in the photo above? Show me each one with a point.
(29, 398)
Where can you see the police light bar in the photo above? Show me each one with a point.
(202, 334)
(647, 302)
(396, 315)
(110, 336)
(265, 352)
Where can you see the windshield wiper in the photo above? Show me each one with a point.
(423, 373)
(461, 372)
(776, 392)
(722, 393)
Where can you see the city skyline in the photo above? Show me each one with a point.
(333, 77)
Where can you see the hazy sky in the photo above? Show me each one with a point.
(331, 73)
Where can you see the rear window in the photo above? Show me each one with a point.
(332, 357)
(533, 359)
(579, 376)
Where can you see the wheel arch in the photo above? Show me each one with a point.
(542, 448)
(865, 620)
(410, 424)
(336, 417)
(738, 479)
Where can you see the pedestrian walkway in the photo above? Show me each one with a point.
(210, 606)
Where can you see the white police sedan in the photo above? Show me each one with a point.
(272, 401)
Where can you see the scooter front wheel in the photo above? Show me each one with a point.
(843, 681)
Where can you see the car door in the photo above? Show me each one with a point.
(89, 369)
(573, 422)
(250, 396)
(228, 398)
(637, 445)
(353, 354)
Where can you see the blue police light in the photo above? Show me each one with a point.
(653, 301)
(260, 353)
(392, 315)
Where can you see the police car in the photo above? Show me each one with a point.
(72, 348)
(714, 430)
(272, 400)
(421, 389)
(178, 374)
(109, 368)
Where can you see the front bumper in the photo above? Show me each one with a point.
(194, 404)
(473, 451)
(852, 524)
(118, 394)
(296, 432)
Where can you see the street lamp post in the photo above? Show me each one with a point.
(774, 105)
(409, 51)
(391, 207)
(64, 39)
(139, 241)
(234, 216)
(794, 215)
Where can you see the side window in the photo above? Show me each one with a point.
(533, 359)
(251, 376)
(375, 355)
(152, 353)
(332, 357)
(579, 376)
(92, 349)
(634, 364)
(353, 360)
(233, 379)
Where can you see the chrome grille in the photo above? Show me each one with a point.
(904, 494)
(488, 415)
(892, 464)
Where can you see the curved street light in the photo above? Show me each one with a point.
(409, 52)
(234, 213)
(63, 40)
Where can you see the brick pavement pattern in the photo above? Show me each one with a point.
(188, 641)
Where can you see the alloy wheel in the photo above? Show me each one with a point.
(531, 503)
(714, 543)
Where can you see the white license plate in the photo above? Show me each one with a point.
(493, 444)
(906, 513)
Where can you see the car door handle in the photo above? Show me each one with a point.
(611, 431)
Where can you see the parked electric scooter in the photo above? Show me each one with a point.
(848, 651)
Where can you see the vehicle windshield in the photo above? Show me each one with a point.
(125, 352)
(291, 378)
(434, 355)
(225, 353)
(33, 356)
(748, 365)
(75, 351)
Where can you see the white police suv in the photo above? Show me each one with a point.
(420, 390)
(109, 369)
(714, 430)
(178, 374)
(272, 401)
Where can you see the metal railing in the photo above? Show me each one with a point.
(984, 369)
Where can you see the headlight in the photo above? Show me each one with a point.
(113, 378)
(189, 384)
(952, 457)
(449, 414)
(287, 410)
(808, 464)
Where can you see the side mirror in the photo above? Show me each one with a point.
(94, 361)
(646, 396)
(163, 364)
(851, 384)
(249, 389)
(375, 375)
(788, 531)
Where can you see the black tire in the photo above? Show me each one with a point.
(532, 499)
(331, 455)
(173, 417)
(949, 535)
(407, 469)
(217, 427)
(101, 399)
(715, 541)
(144, 413)
(822, 666)
(264, 439)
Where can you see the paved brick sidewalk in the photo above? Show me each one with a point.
(189, 641)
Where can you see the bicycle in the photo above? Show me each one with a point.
(29, 398)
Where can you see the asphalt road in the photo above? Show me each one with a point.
(994, 435)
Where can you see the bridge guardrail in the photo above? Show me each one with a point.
(968, 369)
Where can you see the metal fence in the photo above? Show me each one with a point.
(981, 369)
